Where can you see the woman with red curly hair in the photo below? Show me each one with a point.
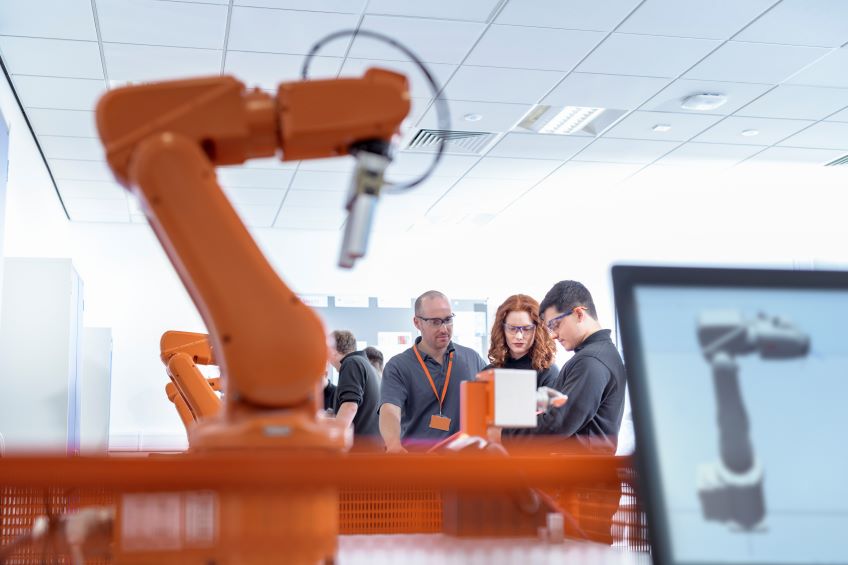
(520, 340)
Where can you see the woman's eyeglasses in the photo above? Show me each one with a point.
(514, 330)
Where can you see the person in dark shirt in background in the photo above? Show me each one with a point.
(329, 392)
(593, 379)
(358, 388)
(375, 357)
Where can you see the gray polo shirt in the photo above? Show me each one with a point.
(405, 385)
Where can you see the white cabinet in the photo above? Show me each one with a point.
(95, 388)
(40, 355)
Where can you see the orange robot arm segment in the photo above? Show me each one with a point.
(163, 140)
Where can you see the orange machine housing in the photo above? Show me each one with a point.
(163, 141)
(190, 391)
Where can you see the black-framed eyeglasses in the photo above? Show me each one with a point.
(514, 330)
(553, 323)
(437, 322)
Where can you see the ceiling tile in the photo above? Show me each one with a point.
(291, 217)
(286, 31)
(736, 61)
(144, 63)
(580, 174)
(68, 19)
(62, 122)
(646, 55)
(469, 10)
(51, 57)
(315, 198)
(569, 14)
(268, 70)
(841, 116)
(59, 93)
(771, 130)
(333, 164)
(505, 168)
(625, 150)
(823, 135)
(81, 170)
(798, 102)
(604, 91)
(413, 163)
(256, 196)
(256, 216)
(396, 215)
(717, 19)
(84, 148)
(493, 116)
(714, 155)
(342, 6)
(419, 86)
(254, 178)
(320, 180)
(787, 155)
(425, 193)
(97, 210)
(490, 84)
(538, 146)
(533, 47)
(799, 22)
(475, 195)
(828, 71)
(90, 189)
(639, 125)
(269, 163)
(149, 22)
(434, 41)
(738, 94)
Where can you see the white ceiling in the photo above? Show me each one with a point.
(781, 64)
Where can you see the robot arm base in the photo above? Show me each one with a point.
(732, 497)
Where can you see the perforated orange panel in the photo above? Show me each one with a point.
(389, 511)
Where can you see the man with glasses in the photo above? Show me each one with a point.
(419, 401)
(593, 379)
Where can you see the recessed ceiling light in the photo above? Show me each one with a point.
(569, 120)
(704, 102)
(473, 117)
(662, 128)
(750, 132)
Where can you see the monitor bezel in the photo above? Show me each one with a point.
(625, 279)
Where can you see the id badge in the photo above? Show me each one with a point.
(440, 422)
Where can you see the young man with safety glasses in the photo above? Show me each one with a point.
(419, 400)
(593, 379)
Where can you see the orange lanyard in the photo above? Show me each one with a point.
(430, 378)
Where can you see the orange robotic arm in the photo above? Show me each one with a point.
(162, 142)
(191, 392)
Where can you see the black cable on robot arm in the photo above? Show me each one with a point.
(442, 111)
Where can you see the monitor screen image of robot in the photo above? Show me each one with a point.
(744, 392)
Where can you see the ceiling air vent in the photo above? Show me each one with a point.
(470, 142)
(836, 162)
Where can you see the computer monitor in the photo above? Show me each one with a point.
(739, 388)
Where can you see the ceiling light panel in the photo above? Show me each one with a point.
(737, 94)
(646, 55)
(51, 57)
(148, 22)
(533, 47)
(575, 14)
(434, 41)
(145, 63)
(469, 10)
(286, 31)
(68, 19)
(797, 102)
(770, 130)
(640, 125)
(490, 84)
(59, 93)
(736, 61)
(716, 19)
(797, 22)
(605, 91)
